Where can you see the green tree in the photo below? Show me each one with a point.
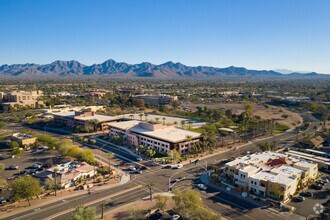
(161, 201)
(26, 187)
(2, 167)
(17, 151)
(175, 155)
(2, 125)
(135, 213)
(249, 107)
(3, 184)
(189, 204)
(14, 144)
(84, 213)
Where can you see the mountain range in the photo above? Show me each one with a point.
(121, 69)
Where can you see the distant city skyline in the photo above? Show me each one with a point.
(255, 34)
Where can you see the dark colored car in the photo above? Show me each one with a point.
(306, 194)
(320, 182)
(317, 186)
(13, 167)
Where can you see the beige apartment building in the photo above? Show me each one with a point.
(21, 98)
(270, 175)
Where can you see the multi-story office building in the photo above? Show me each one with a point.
(74, 119)
(22, 98)
(157, 99)
(160, 137)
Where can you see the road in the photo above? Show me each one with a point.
(227, 205)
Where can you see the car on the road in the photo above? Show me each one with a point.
(178, 166)
(306, 194)
(132, 168)
(201, 186)
(321, 182)
(299, 199)
(13, 167)
(138, 158)
(175, 217)
(167, 167)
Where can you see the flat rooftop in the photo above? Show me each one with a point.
(287, 170)
(124, 125)
(275, 178)
(169, 134)
(99, 118)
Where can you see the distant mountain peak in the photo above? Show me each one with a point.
(111, 67)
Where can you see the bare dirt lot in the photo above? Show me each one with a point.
(281, 115)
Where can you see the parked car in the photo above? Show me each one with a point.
(138, 158)
(307, 194)
(299, 199)
(36, 166)
(316, 186)
(23, 173)
(326, 179)
(327, 202)
(13, 167)
(2, 201)
(132, 168)
(320, 182)
(175, 217)
(201, 186)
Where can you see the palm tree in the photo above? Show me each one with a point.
(164, 119)
(183, 123)
(188, 139)
(146, 116)
(149, 186)
(131, 116)
(157, 120)
(189, 123)
(175, 123)
(55, 170)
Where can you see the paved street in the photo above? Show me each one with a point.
(219, 202)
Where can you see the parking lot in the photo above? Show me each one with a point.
(24, 161)
(306, 208)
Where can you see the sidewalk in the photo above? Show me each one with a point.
(124, 179)
(117, 146)
(204, 179)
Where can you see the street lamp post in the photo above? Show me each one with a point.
(169, 182)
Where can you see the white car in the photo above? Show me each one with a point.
(132, 168)
(175, 217)
(201, 186)
(138, 158)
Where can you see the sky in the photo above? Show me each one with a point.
(256, 34)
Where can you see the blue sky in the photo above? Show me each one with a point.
(257, 34)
